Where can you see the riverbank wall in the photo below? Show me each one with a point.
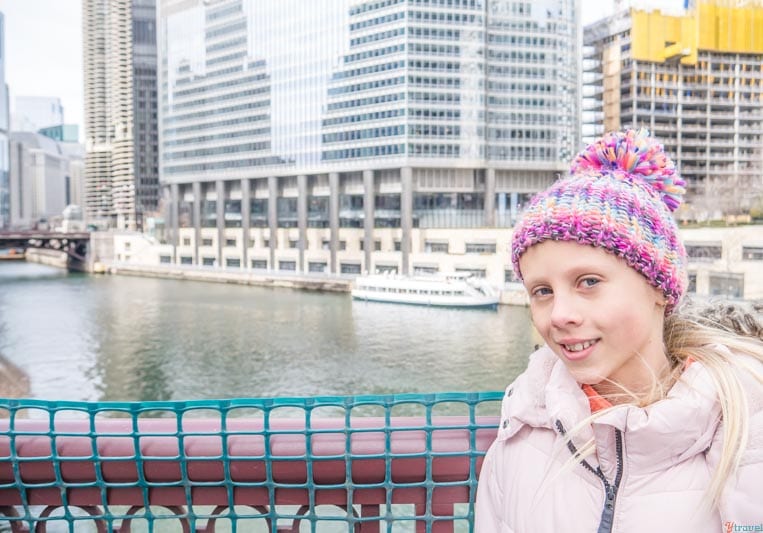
(313, 283)
(44, 256)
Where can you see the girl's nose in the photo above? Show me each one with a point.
(565, 311)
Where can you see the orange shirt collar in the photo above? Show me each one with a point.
(597, 402)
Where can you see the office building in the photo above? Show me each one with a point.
(45, 177)
(695, 80)
(344, 136)
(121, 174)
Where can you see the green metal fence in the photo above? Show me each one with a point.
(361, 463)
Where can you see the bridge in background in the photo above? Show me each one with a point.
(74, 245)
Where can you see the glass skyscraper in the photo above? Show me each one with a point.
(339, 135)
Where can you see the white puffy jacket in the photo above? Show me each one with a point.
(649, 473)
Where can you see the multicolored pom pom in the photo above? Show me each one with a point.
(634, 155)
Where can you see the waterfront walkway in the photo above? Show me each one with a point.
(364, 463)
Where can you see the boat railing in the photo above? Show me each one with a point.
(359, 463)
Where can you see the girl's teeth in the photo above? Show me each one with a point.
(579, 346)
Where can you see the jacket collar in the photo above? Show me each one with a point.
(658, 435)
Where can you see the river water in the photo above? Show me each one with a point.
(118, 338)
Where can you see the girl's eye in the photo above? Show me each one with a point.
(541, 291)
(589, 282)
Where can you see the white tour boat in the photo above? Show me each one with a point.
(442, 290)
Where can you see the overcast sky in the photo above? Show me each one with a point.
(43, 49)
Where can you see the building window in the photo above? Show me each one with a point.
(425, 269)
(377, 245)
(351, 212)
(233, 262)
(326, 244)
(386, 269)
(397, 245)
(266, 243)
(342, 245)
(752, 253)
(127, 246)
(232, 213)
(206, 242)
(165, 259)
(350, 268)
(692, 287)
(258, 213)
(316, 266)
(287, 265)
(480, 248)
(293, 243)
(436, 247)
(208, 261)
(509, 276)
(448, 210)
(318, 212)
(208, 213)
(476, 272)
(387, 211)
(230, 242)
(186, 241)
(259, 264)
(703, 253)
(186, 260)
(728, 285)
(286, 210)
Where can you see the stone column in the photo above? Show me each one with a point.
(174, 215)
(220, 204)
(368, 221)
(334, 219)
(406, 216)
(246, 205)
(196, 220)
(490, 197)
(272, 218)
(302, 220)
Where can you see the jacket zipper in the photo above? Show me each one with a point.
(610, 490)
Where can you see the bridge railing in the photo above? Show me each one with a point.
(362, 463)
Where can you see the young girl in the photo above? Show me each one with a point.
(635, 415)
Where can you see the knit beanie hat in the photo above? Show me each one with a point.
(619, 196)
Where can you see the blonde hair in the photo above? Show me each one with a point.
(714, 334)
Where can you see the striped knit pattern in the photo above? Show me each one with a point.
(617, 202)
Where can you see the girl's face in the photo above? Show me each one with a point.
(600, 316)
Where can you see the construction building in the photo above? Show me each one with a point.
(694, 79)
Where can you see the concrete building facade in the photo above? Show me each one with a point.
(696, 81)
(45, 177)
(350, 136)
(121, 167)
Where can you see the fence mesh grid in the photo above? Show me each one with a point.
(357, 463)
